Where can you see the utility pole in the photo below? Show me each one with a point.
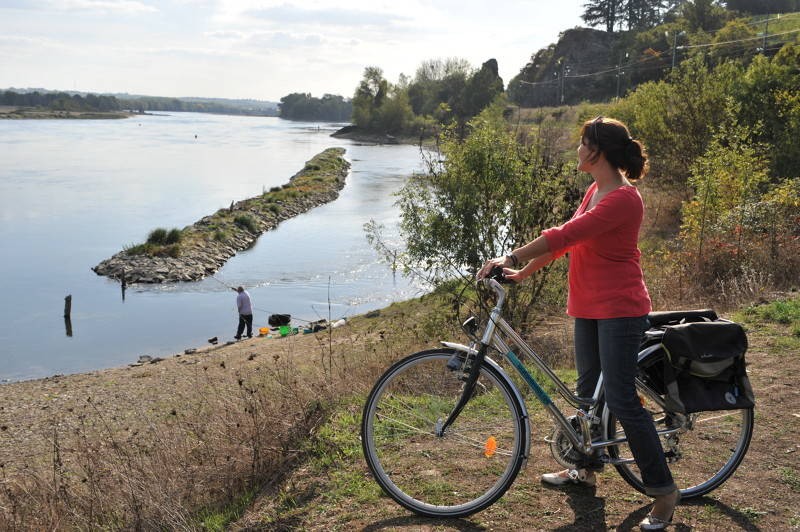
(674, 43)
(620, 72)
(565, 70)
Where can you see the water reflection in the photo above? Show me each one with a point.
(105, 184)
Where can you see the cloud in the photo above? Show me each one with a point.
(283, 40)
(290, 14)
(129, 7)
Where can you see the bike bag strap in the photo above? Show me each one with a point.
(674, 317)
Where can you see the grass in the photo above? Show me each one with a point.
(784, 311)
(782, 315)
(791, 477)
(217, 521)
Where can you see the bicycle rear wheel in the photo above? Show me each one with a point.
(702, 455)
(453, 475)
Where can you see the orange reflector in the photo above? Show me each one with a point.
(490, 447)
(641, 399)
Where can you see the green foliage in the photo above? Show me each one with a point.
(675, 117)
(246, 221)
(162, 237)
(791, 477)
(768, 94)
(726, 181)
(485, 195)
(736, 223)
(441, 92)
(783, 311)
(157, 236)
(217, 521)
(303, 106)
(369, 98)
(704, 15)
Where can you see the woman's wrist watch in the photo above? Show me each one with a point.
(514, 259)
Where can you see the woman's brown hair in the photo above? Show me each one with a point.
(612, 138)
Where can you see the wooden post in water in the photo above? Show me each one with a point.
(67, 312)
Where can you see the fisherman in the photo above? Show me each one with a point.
(245, 306)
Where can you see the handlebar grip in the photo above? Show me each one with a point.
(497, 274)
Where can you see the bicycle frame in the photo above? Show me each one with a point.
(586, 408)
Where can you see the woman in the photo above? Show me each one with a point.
(607, 297)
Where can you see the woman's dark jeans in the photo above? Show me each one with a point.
(611, 346)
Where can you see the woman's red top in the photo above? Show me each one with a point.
(605, 277)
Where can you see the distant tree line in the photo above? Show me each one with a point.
(441, 92)
(303, 106)
(61, 101)
(143, 104)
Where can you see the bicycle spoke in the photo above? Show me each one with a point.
(472, 463)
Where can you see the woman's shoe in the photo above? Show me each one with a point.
(570, 476)
(652, 522)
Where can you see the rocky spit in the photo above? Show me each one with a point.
(203, 251)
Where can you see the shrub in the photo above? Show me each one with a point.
(162, 237)
(157, 236)
(246, 222)
(173, 237)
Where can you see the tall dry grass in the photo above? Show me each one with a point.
(187, 441)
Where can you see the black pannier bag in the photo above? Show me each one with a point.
(276, 320)
(705, 367)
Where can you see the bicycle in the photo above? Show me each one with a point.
(446, 431)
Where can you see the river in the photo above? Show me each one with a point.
(74, 192)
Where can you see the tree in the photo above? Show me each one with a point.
(767, 93)
(482, 88)
(704, 15)
(484, 195)
(642, 14)
(369, 97)
(763, 7)
(726, 181)
(602, 13)
(675, 117)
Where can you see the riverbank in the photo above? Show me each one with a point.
(263, 435)
(25, 113)
(208, 243)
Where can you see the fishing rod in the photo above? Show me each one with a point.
(255, 308)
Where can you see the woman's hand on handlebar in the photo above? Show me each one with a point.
(502, 262)
(516, 276)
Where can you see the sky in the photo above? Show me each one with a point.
(261, 49)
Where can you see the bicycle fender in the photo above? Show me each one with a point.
(517, 395)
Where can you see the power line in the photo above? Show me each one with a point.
(639, 65)
(757, 38)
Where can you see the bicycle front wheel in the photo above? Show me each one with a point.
(702, 454)
(467, 468)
